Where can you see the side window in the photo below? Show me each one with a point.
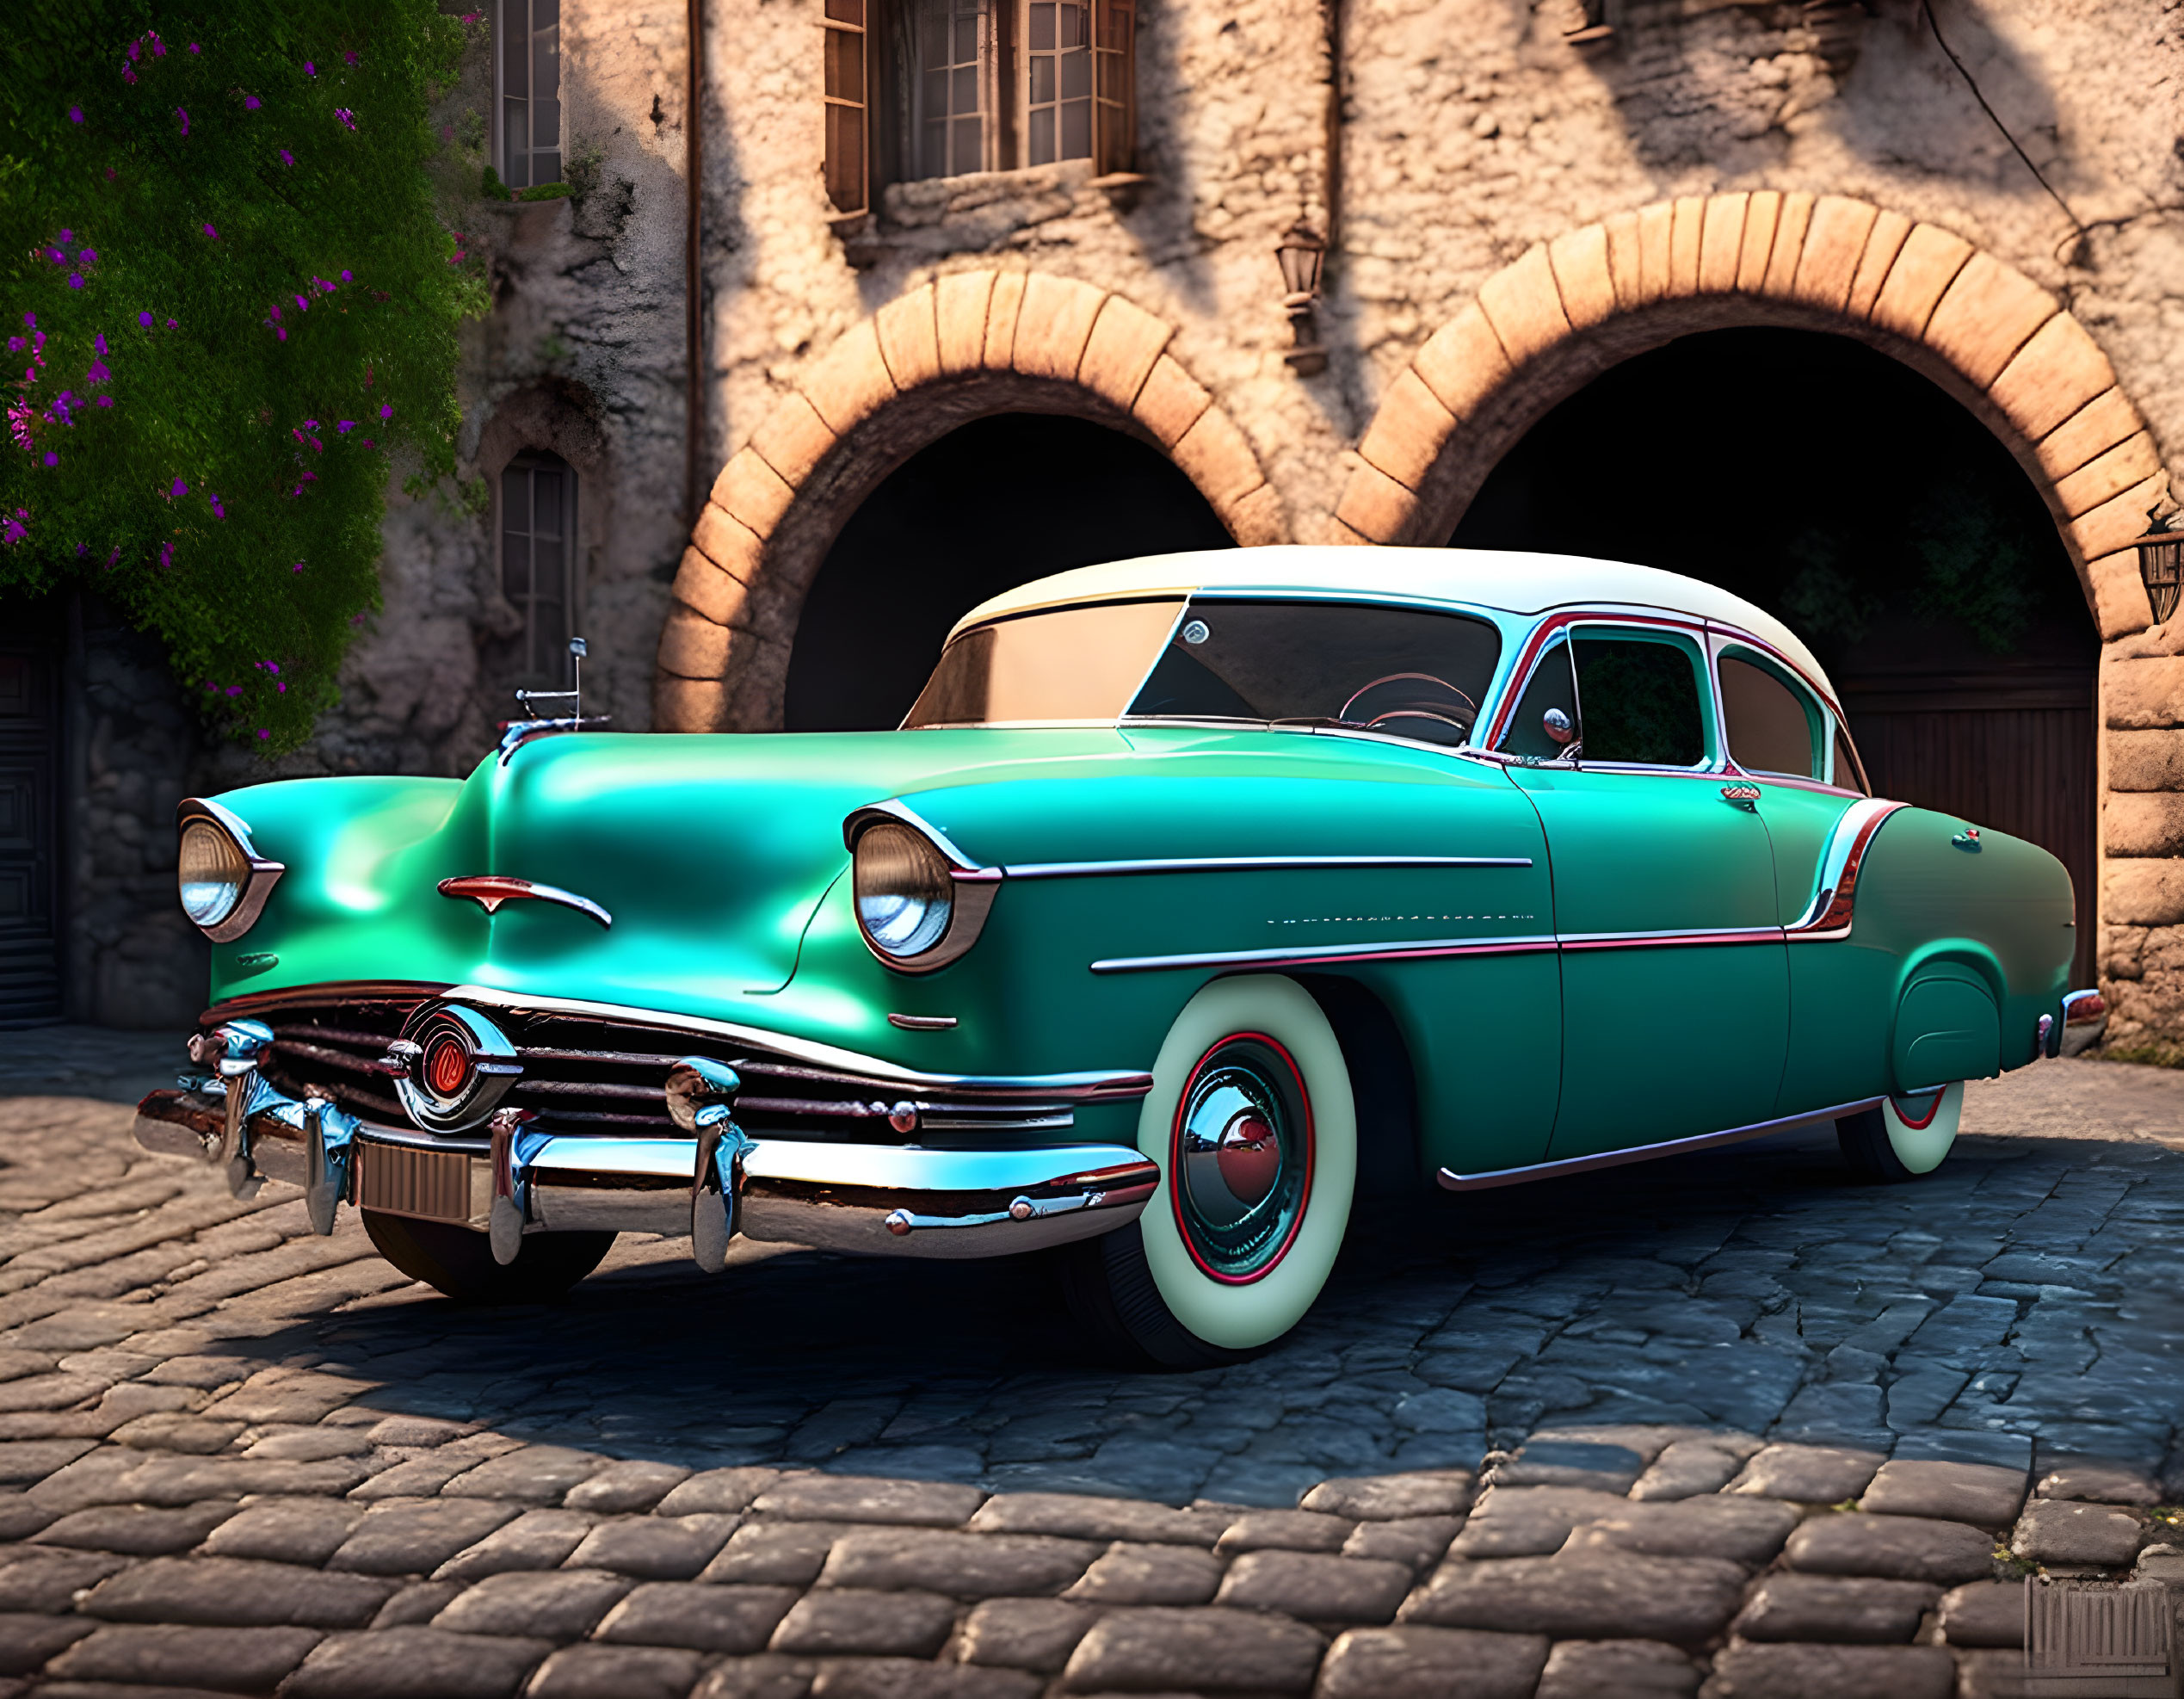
(1772, 725)
(1846, 773)
(1639, 699)
(538, 539)
(1545, 724)
(528, 71)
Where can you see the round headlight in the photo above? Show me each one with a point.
(904, 895)
(211, 872)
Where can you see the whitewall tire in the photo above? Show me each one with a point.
(1902, 1137)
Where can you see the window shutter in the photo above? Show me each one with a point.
(848, 171)
(1114, 85)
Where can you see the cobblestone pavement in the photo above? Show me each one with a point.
(235, 1457)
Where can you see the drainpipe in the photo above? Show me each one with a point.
(1332, 143)
(694, 281)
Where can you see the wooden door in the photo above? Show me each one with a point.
(30, 762)
(2007, 743)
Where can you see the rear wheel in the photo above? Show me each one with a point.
(1252, 1122)
(460, 1262)
(1902, 1137)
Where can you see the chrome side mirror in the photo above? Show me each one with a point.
(1558, 726)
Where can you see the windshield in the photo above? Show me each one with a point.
(1408, 672)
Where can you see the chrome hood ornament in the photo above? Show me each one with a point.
(535, 724)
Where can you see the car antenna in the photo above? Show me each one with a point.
(517, 733)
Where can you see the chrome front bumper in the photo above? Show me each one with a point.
(870, 1200)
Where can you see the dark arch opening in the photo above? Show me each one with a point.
(992, 504)
(1853, 499)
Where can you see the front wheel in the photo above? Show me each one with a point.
(1902, 1137)
(460, 1262)
(1252, 1124)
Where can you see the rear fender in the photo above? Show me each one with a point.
(1948, 1017)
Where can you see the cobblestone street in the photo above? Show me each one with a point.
(1742, 1423)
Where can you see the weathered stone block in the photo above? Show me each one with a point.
(1002, 313)
(1984, 1613)
(1386, 1497)
(135, 1531)
(542, 1539)
(1024, 1634)
(1171, 402)
(1985, 316)
(1656, 228)
(1208, 1651)
(1883, 244)
(1743, 1530)
(1121, 351)
(1904, 1548)
(1762, 214)
(715, 1491)
(1419, 1541)
(1522, 303)
(1375, 506)
(1979, 1493)
(286, 1530)
(2143, 695)
(1682, 1600)
(1810, 1474)
(1089, 1517)
(865, 1498)
(1721, 243)
(960, 303)
(634, 1484)
(1859, 1610)
(1257, 518)
(1408, 431)
(2057, 371)
(1531, 1521)
(793, 439)
(1631, 1669)
(690, 704)
(1789, 244)
(1316, 1586)
(1055, 323)
(1417, 1663)
(2125, 466)
(1924, 267)
(1792, 1671)
(781, 1553)
(1687, 225)
(736, 1619)
(237, 1659)
(2062, 1530)
(1623, 264)
(839, 1622)
(236, 1592)
(45, 1581)
(1685, 1469)
(1132, 1573)
(615, 1672)
(1834, 241)
(909, 338)
(415, 1539)
(752, 493)
(2097, 1481)
(2143, 822)
(965, 1565)
(691, 645)
(848, 383)
(1579, 258)
(1284, 1530)
(415, 1663)
(2099, 425)
(556, 1604)
(655, 1549)
(2118, 598)
(1217, 457)
(26, 1642)
(703, 582)
(1463, 362)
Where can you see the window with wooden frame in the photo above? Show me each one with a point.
(527, 106)
(538, 560)
(939, 87)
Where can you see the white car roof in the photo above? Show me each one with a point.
(1509, 580)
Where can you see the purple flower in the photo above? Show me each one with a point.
(166, 555)
(367, 442)
(276, 311)
(51, 459)
(74, 280)
(170, 324)
(13, 531)
(347, 117)
(286, 157)
(76, 114)
(99, 342)
(180, 488)
(302, 303)
(281, 333)
(106, 401)
(219, 512)
(31, 320)
(159, 48)
(262, 732)
(310, 69)
(144, 319)
(282, 688)
(297, 567)
(344, 277)
(135, 51)
(345, 426)
(210, 232)
(349, 57)
(97, 374)
(193, 47)
(127, 74)
(14, 344)
(88, 256)
(251, 103)
(234, 690)
(183, 113)
(387, 412)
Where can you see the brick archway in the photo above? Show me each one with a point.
(1547, 323)
(970, 344)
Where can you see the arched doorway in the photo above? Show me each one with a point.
(1876, 516)
(990, 505)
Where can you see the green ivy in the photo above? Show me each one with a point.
(230, 306)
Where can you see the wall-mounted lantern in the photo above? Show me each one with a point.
(1302, 253)
(2161, 564)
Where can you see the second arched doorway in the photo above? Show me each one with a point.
(990, 505)
(1876, 516)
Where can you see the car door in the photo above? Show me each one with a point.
(1675, 977)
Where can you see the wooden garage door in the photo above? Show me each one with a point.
(29, 741)
(2008, 745)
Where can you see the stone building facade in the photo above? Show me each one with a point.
(1516, 198)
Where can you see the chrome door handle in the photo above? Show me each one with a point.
(1742, 796)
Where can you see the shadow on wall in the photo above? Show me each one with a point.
(991, 505)
(1703, 88)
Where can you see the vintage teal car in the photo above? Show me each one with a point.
(1194, 892)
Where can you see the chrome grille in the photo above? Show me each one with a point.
(403, 1181)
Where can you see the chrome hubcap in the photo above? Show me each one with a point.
(1242, 1157)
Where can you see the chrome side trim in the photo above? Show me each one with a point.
(1100, 1086)
(1305, 955)
(489, 890)
(922, 1022)
(1251, 864)
(1828, 915)
(1455, 1182)
(1693, 935)
(264, 874)
(895, 809)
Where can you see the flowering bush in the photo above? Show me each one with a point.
(230, 307)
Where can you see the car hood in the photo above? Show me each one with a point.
(709, 853)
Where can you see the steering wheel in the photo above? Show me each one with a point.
(1412, 705)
